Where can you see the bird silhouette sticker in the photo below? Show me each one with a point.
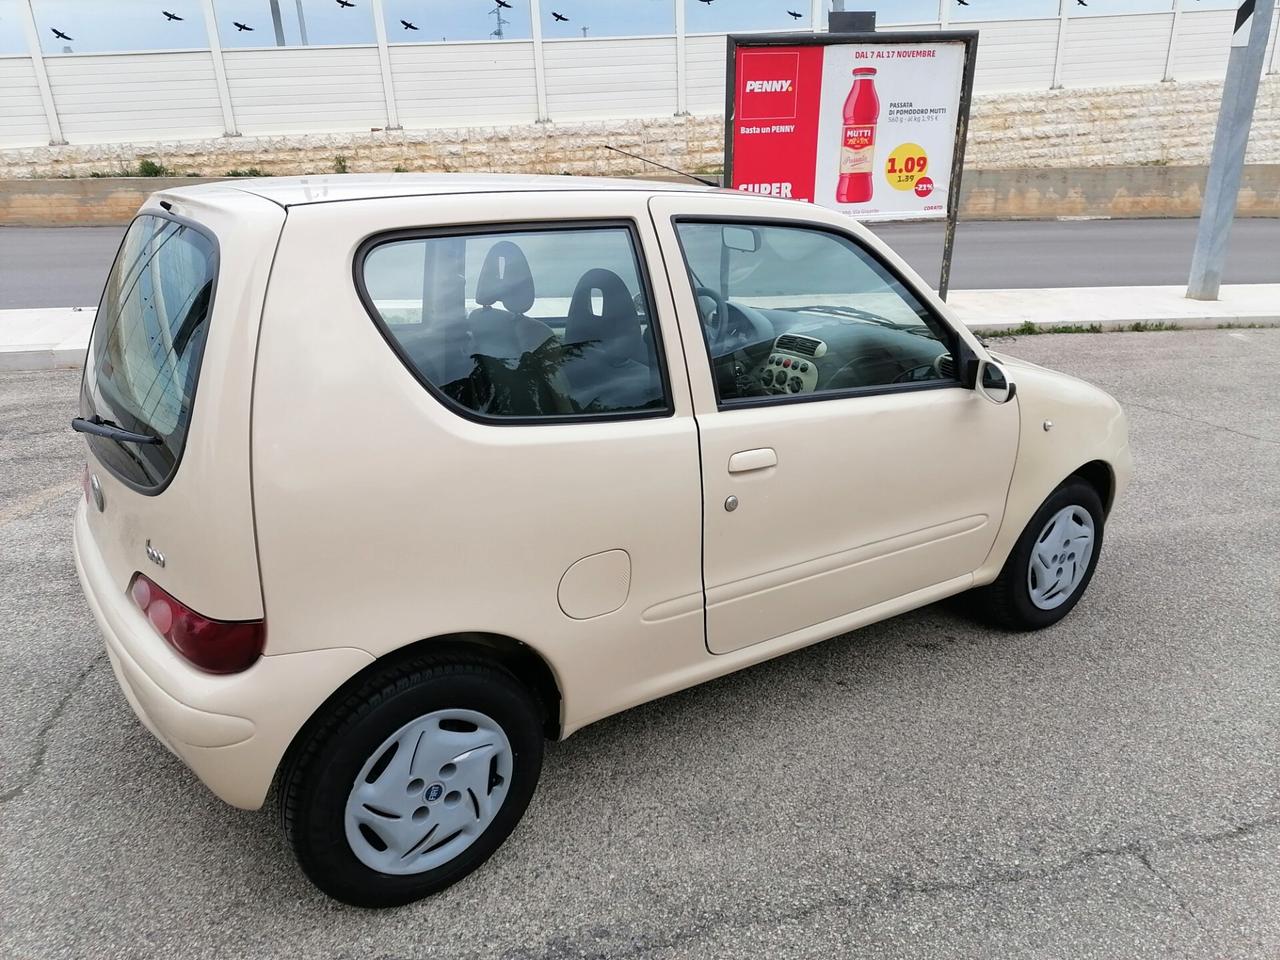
(963, 3)
(242, 27)
(59, 34)
(503, 4)
(560, 17)
(407, 25)
(793, 15)
(171, 16)
(345, 3)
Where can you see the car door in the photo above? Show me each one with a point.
(847, 472)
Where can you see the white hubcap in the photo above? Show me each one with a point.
(1060, 557)
(428, 792)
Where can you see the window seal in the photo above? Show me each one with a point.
(86, 400)
(954, 341)
(499, 227)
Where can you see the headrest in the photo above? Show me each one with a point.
(616, 326)
(505, 277)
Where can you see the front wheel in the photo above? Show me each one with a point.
(1053, 561)
(412, 781)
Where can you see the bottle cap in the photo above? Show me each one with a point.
(864, 71)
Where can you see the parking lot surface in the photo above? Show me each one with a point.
(925, 787)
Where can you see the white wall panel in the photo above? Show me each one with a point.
(1101, 51)
(1014, 55)
(22, 119)
(306, 89)
(1204, 43)
(103, 98)
(705, 56)
(463, 85)
(610, 78)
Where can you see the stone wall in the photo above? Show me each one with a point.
(1152, 124)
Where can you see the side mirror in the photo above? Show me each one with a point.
(994, 384)
(742, 239)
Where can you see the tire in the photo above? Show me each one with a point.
(327, 816)
(1017, 599)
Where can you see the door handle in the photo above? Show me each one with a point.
(748, 460)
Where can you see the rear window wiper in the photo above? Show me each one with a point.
(112, 431)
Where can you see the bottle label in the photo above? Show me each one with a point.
(857, 153)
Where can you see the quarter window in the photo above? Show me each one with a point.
(522, 324)
(794, 311)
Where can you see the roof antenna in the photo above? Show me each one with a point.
(704, 180)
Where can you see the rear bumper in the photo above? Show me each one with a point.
(232, 731)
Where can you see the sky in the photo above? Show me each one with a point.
(98, 26)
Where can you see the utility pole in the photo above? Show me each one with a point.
(584, 31)
(1226, 167)
(502, 21)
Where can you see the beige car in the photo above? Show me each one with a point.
(390, 478)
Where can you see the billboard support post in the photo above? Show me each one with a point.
(785, 134)
(957, 172)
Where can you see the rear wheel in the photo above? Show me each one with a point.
(1053, 561)
(412, 781)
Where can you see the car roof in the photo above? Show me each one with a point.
(294, 191)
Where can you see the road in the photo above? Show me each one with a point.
(926, 787)
(67, 266)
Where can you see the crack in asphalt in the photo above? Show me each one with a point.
(1203, 423)
(46, 728)
(881, 893)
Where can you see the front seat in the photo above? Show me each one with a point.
(606, 350)
(517, 359)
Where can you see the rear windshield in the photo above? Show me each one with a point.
(148, 338)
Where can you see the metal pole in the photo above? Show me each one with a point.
(815, 14)
(1226, 166)
(1275, 50)
(219, 69)
(56, 138)
(302, 23)
(944, 14)
(682, 63)
(384, 63)
(277, 22)
(539, 62)
(1173, 41)
(1063, 14)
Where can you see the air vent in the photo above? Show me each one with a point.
(804, 346)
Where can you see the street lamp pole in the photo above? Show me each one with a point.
(1226, 166)
(277, 22)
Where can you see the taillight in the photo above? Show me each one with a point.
(218, 646)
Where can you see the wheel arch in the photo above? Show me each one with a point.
(528, 666)
(1101, 476)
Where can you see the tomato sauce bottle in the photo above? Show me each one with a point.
(857, 149)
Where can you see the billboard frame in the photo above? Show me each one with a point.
(967, 37)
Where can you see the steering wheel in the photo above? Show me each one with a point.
(716, 325)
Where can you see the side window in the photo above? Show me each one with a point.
(791, 311)
(522, 324)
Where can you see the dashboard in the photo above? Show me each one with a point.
(793, 352)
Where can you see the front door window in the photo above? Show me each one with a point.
(794, 311)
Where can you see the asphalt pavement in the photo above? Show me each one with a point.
(67, 266)
(925, 787)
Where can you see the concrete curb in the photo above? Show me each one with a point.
(56, 338)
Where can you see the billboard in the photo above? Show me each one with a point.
(871, 125)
